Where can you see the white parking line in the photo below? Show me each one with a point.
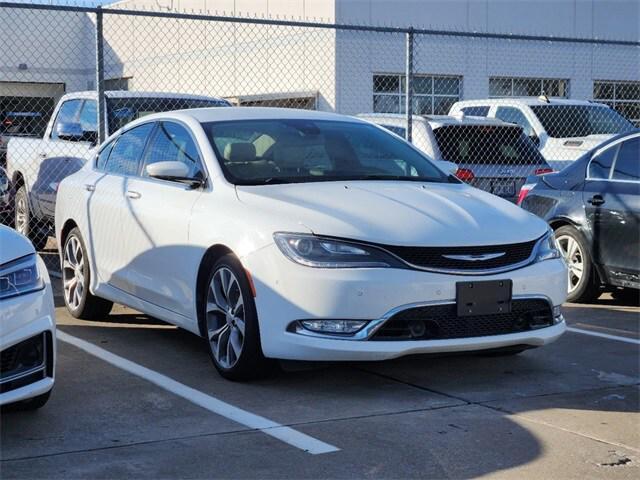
(604, 335)
(285, 434)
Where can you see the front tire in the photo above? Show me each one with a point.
(76, 278)
(583, 281)
(231, 321)
(25, 223)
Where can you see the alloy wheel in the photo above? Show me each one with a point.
(21, 215)
(73, 272)
(225, 316)
(574, 258)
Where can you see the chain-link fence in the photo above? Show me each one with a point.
(500, 107)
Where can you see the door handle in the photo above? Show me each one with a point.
(43, 154)
(89, 187)
(132, 194)
(596, 200)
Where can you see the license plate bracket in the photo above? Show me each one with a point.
(503, 188)
(486, 297)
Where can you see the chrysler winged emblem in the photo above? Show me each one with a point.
(475, 258)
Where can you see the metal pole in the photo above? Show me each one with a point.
(100, 76)
(409, 84)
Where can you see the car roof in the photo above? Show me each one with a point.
(448, 120)
(204, 115)
(135, 94)
(530, 101)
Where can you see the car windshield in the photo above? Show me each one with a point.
(486, 144)
(564, 121)
(259, 152)
(126, 109)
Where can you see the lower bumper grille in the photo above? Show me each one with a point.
(440, 322)
(26, 362)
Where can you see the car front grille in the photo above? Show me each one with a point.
(434, 257)
(23, 357)
(440, 322)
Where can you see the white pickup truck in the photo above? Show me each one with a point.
(35, 166)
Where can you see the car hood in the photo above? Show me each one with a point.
(13, 245)
(398, 213)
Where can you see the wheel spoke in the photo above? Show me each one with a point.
(213, 334)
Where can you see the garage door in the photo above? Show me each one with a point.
(25, 108)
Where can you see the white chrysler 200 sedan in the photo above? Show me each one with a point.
(302, 235)
(27, 324)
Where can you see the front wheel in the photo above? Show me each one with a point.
(233, 333)
(76, 278)
(583, 281)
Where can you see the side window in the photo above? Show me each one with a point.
(103, 156)
(172, 143)
(397, 130)
(68, 113)
(89, 116)
(127, 152)
(600, 165)
(513, 115)
(627, 166)
(479, 111)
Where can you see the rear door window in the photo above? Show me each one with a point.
(600, 166)
(627, 166)
(127, 153)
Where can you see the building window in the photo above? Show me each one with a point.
(117, 83)
(432, 94)
(528, 87)
(623, 96)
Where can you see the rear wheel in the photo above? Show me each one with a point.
(233, 334)
(76, 278)
(25, 223)
(583, 282)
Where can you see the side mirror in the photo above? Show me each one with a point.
(447, 167)
(73, 132)
(168, 170)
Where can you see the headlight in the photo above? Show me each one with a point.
(19, 277)
(547, 248)
(320, 252)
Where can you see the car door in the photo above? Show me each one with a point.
(612, 204)
(161, 264)
(116, 163)
(63, 157)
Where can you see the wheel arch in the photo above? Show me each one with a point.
(69, 225)
(210, 257)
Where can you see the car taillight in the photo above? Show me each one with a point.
(542, 171)
(524, 191)
(465, 174)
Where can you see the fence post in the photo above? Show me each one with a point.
(100, 76)
(409, 84)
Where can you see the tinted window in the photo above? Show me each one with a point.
(126, 153)
(563, 121)
(476, 111)
(121, 111)
(89, 116)
(303, 150)
(513, 115)
(68, 113)
(600, 166)
(627, 165)
(103, 156)
(486, 144)
(172, 143)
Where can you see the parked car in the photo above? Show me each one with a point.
(563, 129)
(594, 207)
(28, 332)
(489, 154)
(292, 234)
(36, 166)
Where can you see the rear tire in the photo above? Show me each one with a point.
(76, 279)
(25, 223)
(583, 282)
(231, 324)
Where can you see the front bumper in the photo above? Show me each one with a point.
(23, 318)
(288, 292)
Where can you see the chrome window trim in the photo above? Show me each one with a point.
(370, 329)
